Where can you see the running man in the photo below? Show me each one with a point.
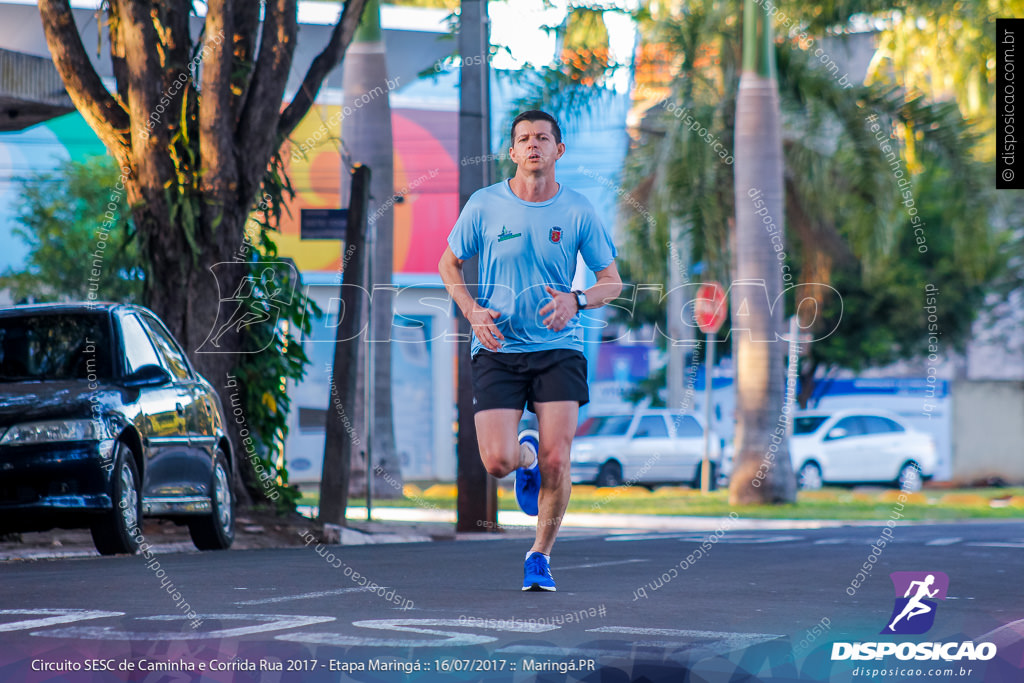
(527, 344)
(914, 606)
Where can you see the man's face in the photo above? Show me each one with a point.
(534, 148)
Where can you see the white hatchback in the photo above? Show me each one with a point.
(858, 446)
(652, 446)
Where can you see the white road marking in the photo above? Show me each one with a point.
(451, 639)
(677, 632)
(944, 541)
(303, 596)
(718, 642)
(50, 617)
(742, 538)
(701, 537)
(598, 564)
(642, 537)
(271, 622)
(708, 643)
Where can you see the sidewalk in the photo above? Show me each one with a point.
(575, 523)
(397, 525)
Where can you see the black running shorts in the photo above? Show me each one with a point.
(512, 380)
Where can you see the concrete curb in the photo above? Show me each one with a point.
(338, 535)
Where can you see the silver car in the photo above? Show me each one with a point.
(859, 446)
(854, 447)
(652, 446)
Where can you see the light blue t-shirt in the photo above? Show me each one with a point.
(524, 246)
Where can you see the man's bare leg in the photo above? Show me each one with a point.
(497, 434)
(557, 426)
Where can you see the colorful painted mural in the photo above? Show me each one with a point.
(426, 180)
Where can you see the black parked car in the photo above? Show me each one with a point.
(104, 420)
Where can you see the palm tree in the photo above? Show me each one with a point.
(367, 138)
(842, 207)
(762, 471)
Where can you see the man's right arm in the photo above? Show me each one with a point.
(480, 319)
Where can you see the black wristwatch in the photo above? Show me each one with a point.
(581, 299)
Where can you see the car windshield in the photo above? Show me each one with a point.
(605, 425)
(808, 424)
(54, 347)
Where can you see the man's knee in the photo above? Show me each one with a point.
(497, 470)
(499, 460)
(554, 464)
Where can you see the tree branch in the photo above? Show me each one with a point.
(245, 23)
(331, 56)
(261, 112)
(153, 114)
(216, 143)
(97, 106)
(118, 58)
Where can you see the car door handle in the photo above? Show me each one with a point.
(180, 409)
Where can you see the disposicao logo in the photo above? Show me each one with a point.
(913, 613)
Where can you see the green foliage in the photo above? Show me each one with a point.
(846, 221)
(650, 388)
(264, 370)
(60, 212)
(78, 243)
(884, 318)
(585, 30)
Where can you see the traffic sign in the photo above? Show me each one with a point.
(710, 307)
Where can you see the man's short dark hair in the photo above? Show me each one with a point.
(537, 115)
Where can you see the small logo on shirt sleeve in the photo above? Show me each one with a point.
(555, 235)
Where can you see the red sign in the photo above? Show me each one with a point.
(710, 307)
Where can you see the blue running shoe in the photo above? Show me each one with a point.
(537, 574)
(528, 478)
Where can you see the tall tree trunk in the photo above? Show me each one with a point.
(763, 472)
(366, 132)
(193, 157)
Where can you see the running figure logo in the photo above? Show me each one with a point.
(248, 299)
(914, 612)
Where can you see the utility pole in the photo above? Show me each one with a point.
(477, 501)
(680, 334)
(338, 445)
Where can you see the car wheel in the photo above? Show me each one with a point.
(117, 532)
(910, 478)
(216, 531)
(809, 477)
(610, 474)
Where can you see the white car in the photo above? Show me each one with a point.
(652, 446)
(859, 446)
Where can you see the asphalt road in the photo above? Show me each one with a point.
(754, 605)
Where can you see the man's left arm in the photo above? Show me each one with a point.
(606, 289)
(563, 307)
